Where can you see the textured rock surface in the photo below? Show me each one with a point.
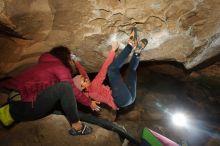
(53, 130)
(158, 97)
(186, 31)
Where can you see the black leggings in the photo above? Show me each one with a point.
(58, 94)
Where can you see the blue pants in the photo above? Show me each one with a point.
(124, 89)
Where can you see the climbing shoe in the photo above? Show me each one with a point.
(141, 45)
(133, 34)
(83, 131)
(133, 37)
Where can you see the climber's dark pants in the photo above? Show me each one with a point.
(58, 94)
(124, 90)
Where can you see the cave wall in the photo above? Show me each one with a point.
(186, 31)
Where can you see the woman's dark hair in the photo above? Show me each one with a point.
(63, 54)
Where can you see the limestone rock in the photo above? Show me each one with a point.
(53, 130)
(186, 31)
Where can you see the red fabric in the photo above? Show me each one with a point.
(81, 69)
(48, 71)
(97, 90)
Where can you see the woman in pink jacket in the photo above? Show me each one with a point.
(122, 91)
(42, 87)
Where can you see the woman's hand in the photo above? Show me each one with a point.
(94, 105)
(74, 58)
(115, 46)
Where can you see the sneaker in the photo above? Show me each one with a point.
(141, 45)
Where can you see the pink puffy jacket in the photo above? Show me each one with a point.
(48, 71)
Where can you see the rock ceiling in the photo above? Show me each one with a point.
(186, 31)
